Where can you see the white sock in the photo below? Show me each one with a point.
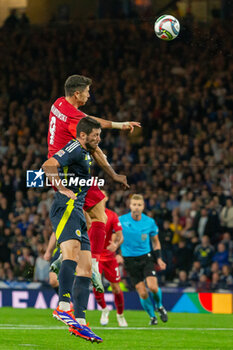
(64, 306)
(81, 321)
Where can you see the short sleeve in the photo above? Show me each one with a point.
(69, 154)
(154, 228)
(116, 225)
(73, 128)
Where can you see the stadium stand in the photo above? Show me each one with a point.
(181, 160)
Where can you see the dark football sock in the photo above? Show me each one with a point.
(80, 294)
(66, 279)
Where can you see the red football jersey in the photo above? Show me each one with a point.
(113, 225)
(63, 120)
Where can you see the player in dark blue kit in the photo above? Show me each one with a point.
(138, 231)
(69, 224)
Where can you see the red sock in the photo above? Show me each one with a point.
(97, 237)
(119, 302)
(100, 298)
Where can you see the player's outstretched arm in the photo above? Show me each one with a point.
(107, 124)
(50, 168)
(101, 160)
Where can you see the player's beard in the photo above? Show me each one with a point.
(91, 144)
(90, 147)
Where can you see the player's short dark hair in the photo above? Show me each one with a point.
(76, 82)
(87, 124)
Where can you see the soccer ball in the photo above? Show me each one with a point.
(167, 27)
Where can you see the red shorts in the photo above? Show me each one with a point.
(110, 269)
(94, 196)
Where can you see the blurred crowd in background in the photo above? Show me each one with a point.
(181, 160)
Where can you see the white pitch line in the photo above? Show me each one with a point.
(165, 328)
(39, 327)
(31, 345)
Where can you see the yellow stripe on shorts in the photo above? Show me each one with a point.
(55, 250)
(65, 217)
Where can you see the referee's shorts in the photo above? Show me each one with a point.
(140, 267)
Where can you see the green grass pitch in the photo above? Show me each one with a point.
(36, 329)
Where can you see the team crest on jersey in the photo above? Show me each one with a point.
(78, 233)
(60, 153)
(144, 236)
